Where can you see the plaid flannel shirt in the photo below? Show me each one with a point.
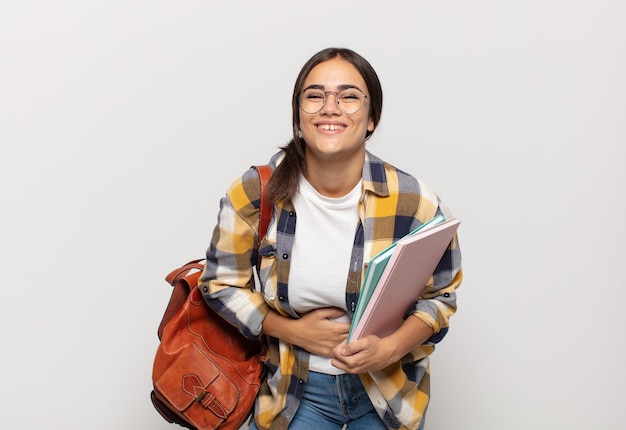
(392, 204)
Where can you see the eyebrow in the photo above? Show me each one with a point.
(339, 88)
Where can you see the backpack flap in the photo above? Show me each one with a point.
(194, 381)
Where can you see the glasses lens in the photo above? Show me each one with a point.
(350, 100)
(312, 100)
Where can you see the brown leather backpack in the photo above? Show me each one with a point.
(206, 374)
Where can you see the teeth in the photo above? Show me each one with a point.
(330, 127)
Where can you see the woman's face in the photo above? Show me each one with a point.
(330, 133)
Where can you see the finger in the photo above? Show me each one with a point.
(330, 313)
(355, 347)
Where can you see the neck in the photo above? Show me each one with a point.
(334, 178)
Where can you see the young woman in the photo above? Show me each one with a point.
(335, 206)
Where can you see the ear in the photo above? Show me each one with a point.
(370, 125)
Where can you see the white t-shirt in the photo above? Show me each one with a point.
(322, 248)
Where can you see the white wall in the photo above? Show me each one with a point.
(123, 122)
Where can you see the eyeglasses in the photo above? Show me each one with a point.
(348, 100)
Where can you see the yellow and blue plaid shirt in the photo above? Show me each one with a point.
(392, 204)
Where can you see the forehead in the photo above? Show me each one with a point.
(333, 73)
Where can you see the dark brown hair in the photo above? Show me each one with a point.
(284, 182)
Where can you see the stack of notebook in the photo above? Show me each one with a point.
(396, 276)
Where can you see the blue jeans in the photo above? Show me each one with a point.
(329, 402)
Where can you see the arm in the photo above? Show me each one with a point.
(228, 274)
(438, 301)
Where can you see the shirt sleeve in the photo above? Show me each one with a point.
(227, 282)
(438, 301)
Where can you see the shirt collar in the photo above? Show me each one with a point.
(374, 175)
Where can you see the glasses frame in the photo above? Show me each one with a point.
(336, 93)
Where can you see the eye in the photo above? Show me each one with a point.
(350, 95)
(313, 95)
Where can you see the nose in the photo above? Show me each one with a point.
(331, 106)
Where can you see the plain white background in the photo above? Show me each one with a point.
(122, 123)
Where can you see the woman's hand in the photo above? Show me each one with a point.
(316, 332)
(319, 333)
(372, 353)
(364, 355)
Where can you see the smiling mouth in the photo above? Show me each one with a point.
(330, 127)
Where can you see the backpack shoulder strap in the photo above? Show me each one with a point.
(265, 208)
